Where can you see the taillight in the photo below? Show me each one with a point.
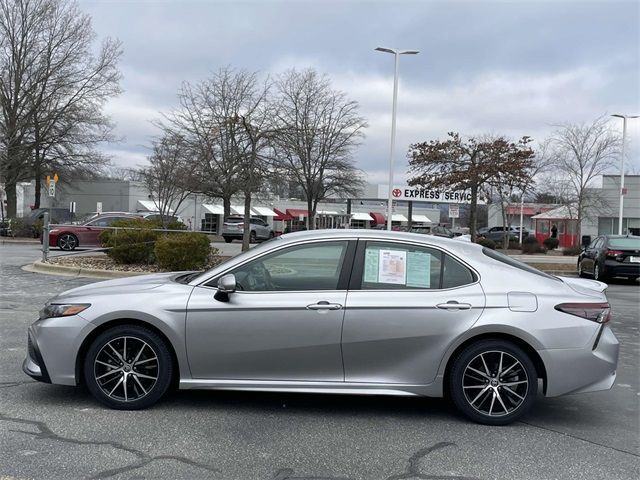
(596, 312)
(613, 253)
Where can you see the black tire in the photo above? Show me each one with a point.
(228, 239)
(271, 234)
(137, 390)
(252, 237)
(581, 273)
(598, 274)
(67, 242)
(516, 392)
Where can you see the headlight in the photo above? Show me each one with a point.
(62, 310)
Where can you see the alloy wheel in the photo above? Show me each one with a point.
(596, 272)
(495, 383)
(126, 369)
(67, 242)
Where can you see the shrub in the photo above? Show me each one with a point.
(514, 244)
(485, 242)
(19, 228)
(551, 243)
(182, 251)
(531, 245)
(575, 250)
(133, 244)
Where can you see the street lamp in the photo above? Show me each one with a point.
(397, 54)
(624, 138)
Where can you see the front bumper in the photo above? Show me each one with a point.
(578, 370)
(52, 348)
(34, 365)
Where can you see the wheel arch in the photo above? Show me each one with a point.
(86, 343)
(541, 370)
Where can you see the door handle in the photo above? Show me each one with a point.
(454, 305)
(324, 305)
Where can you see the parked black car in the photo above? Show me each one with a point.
(611, 256)
(496, 234)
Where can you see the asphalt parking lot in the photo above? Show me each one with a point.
(49, 431)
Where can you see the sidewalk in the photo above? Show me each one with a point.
(35, 241)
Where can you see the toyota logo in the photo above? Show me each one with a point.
(396, 192)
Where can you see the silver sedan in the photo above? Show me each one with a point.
(357, 312)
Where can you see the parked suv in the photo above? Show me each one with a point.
(233, 227)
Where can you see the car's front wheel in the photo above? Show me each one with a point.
(67, 242)
(128, 367)
(493, 382)
(581, 273)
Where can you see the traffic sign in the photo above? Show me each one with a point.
(454, 211)
(52, 189)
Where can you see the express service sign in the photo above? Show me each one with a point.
(420, 194)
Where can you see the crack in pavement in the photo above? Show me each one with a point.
(16, 384)
(575, 437)
(412, 471)
(413, 465)
(44, 432)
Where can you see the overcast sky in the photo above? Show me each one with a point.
(514, 68)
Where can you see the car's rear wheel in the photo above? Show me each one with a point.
(598, 273)
(67, 241)
(252, 237)
(493, 382)
(228, 239)
(128, 367)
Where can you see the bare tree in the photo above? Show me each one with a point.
(317, 129)
(169, 177)
(52, 91)
(580, 154)
(470, 165)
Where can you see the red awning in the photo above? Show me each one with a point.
(378, 218)
(281, 216)
(297, 212)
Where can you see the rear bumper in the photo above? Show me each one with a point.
(614, 269)
(588, 369)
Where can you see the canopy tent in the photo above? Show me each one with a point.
(237, 210)
(396, 217)
(420, 218)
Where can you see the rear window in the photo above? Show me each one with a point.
(234, 220)
(512, 262)
(627, 242)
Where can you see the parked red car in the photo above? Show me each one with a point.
(69, 237)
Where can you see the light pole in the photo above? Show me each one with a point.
(396, 54)
(624, 138)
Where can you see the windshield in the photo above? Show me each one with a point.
(625, 242)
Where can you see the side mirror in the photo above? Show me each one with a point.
(226, 285)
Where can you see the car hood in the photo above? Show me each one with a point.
(119, 286)
(592, 288)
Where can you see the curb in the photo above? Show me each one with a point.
(20, 241)
(50, 269)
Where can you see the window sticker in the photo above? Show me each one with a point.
(392, 267)
(371, 266)
(419, 270)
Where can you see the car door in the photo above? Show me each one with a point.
(591, 254)
(406, 304)
(283, 323)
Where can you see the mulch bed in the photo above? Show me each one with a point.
(103, 262)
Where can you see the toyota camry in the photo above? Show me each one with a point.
(356, 312)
